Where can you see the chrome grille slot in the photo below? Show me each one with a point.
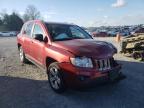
(103, 64)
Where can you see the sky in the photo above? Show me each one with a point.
(83, 12)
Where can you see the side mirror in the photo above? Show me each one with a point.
(45, 39)
(38, 37)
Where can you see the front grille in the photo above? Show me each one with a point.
(104, 64)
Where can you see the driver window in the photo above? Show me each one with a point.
(37, 30)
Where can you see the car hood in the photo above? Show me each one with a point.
(87, 47)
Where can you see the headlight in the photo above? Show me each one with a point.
(82, 62)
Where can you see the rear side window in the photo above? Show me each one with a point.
(28, 29)
(23, 29)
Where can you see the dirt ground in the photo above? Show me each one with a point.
(25, 86)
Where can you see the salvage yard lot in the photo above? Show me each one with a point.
(25, 86)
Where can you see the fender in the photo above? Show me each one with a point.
(58, 54)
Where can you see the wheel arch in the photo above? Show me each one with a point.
(49, 60)
(19, 45)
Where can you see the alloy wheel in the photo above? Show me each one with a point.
(54, 78)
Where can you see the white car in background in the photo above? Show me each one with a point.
(8, 33)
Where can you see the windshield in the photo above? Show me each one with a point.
(61, 32)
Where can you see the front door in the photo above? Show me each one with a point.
(37, 47)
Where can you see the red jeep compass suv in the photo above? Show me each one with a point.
(70, 55)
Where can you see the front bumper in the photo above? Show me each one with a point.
(80, 77)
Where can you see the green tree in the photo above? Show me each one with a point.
(5, 19)
(15, 22)
(1, 22)
(12, 22)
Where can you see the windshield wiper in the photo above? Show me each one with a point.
(69, 38)
(63, 39)
(78, 38)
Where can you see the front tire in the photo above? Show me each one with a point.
(55, 78)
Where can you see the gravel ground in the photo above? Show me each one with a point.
(25, 86)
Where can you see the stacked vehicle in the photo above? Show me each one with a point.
(134, 44)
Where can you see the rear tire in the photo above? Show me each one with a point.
(22, 55)
(55, 78)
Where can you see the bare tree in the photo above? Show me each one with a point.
(31, 13)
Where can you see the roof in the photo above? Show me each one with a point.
(63, 23)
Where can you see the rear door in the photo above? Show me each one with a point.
(27, 33)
